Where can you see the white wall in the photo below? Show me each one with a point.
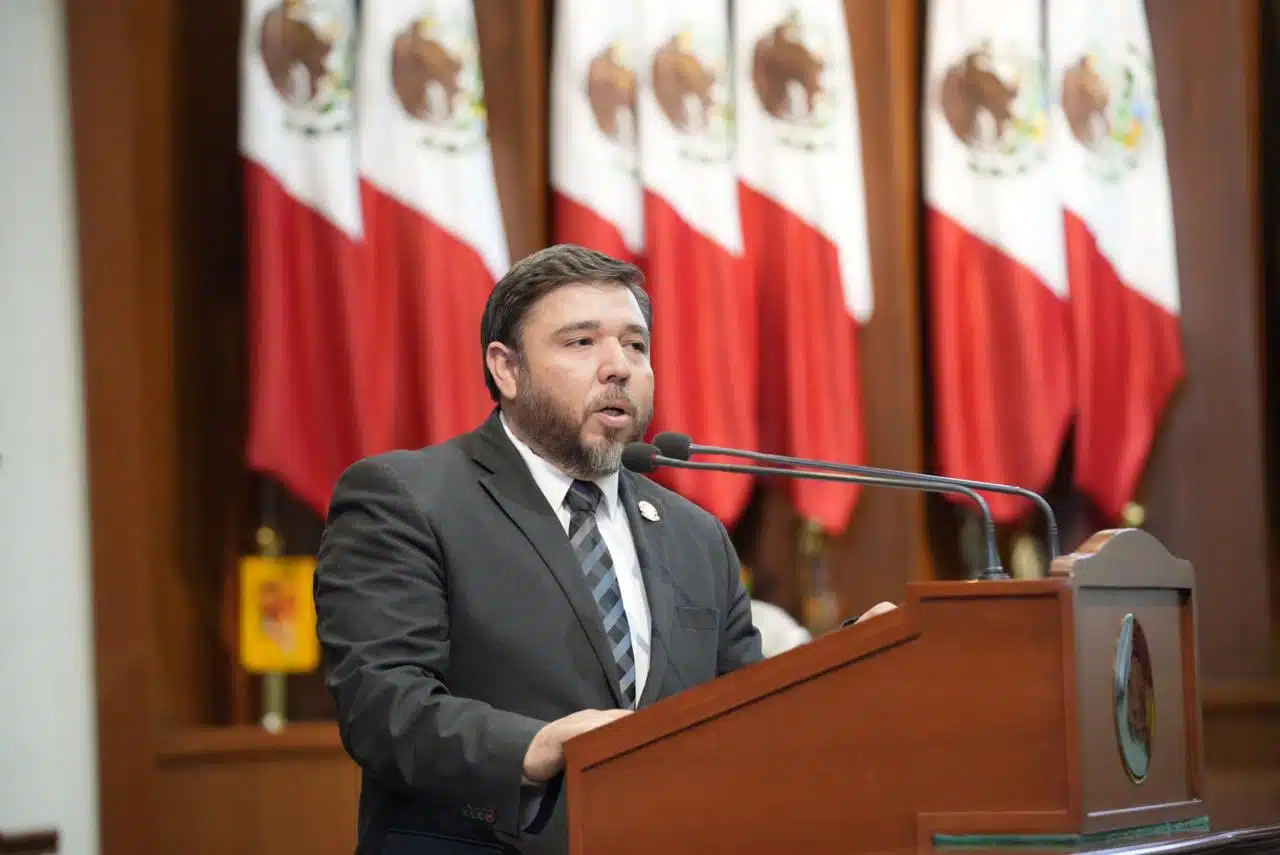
(48, 749)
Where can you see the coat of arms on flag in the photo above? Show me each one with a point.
(794, 81)
(995, 102)
(435, 71)
(1109, 103)
(688, 83)
(303, 45)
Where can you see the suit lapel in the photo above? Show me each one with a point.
(650, 537)
(508, 481)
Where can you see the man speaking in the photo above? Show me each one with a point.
(482, 601)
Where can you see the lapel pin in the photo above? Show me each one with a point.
(648, 511)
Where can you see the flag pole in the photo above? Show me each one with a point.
(274, 683)
(821, 605)
(277, 615)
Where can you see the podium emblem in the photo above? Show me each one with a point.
(1135, 701)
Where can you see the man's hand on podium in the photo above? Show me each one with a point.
(545, 757)
(878, 609)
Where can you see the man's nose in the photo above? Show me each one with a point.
(614, 365)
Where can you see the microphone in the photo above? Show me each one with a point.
(644, 458)
(680, 447)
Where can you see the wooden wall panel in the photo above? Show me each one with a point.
(209, 354)
(119, 60)
(1242, 753)
(885, 546)
(239, 791)
(1269, 145)
(513, 53)
(1205, 489)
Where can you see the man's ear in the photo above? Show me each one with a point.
(504, 365)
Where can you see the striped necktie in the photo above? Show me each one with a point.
(597, 565)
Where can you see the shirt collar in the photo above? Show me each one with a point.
(555, 484)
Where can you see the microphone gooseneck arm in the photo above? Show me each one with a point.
(640, 462)
(680, 443)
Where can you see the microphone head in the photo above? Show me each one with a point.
(673, 445)
(638, 457)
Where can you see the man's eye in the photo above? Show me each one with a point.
(580, 342)
(639, 346)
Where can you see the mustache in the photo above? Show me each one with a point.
(615, 398)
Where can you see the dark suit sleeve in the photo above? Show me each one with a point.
(382, 617)
(740, 643)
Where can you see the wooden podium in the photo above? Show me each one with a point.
(1056, 711)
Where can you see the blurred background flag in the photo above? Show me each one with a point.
(999, 320)
(1110, 155)
(704, 349)
(433, 216)
(805, 227)
(277, 615)
(595, 184)
(304, 241)
(805, 224)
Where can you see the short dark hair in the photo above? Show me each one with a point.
(533, 277)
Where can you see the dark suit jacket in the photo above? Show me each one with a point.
(455, 622)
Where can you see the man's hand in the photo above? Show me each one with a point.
(878, 609)
(545, 757)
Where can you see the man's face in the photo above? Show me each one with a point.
(583, 387)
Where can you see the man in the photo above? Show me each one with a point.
(484, 600)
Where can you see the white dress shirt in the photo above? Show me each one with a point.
(611, 518)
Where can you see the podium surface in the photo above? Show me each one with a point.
(1055, 712)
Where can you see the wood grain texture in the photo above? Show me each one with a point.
(209, 415)
(120, 59)
(844, 739)
(242, 793)
(1205, 490)
(885, 545)
(513, 56)
(1269, 150)
(929, 719)
(1242, 752)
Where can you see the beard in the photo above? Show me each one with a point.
(555, 430)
